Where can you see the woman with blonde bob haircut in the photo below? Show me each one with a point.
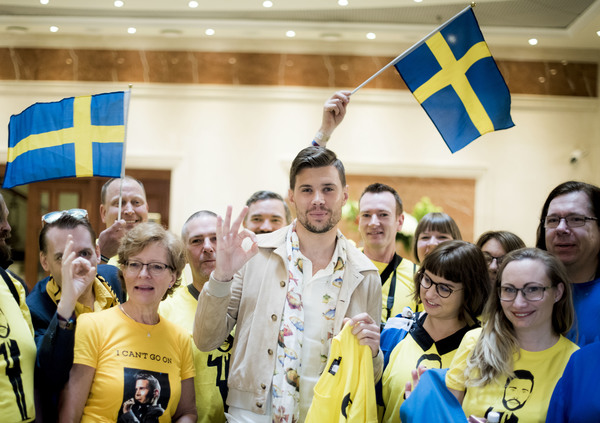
(512, 364)
(129, 364)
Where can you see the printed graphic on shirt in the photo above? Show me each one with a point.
(221, 363)
(431, 361)
(517, 391)
(10, 353)
(145, 396)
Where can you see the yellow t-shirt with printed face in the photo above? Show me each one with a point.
(211, 367)
(416, 349)
(129, 357)
(525, 398)
(17, 356)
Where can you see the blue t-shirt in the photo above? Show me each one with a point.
(586, 298)
(576, 397)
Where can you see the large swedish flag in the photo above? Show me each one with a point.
(453, 76)
(74, 137)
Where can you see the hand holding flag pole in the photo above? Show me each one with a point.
(126, 117)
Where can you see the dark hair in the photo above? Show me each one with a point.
(377, 188)
(153, 382)
(507, 240)
(312, 157)
(593, 194)
(145, 234)
(439, 222)
(65, 222)
(110, 181)
(270, 195)
(520, 374)
(459, 262)
(184, 232)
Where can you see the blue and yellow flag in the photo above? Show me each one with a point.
(453, 75)
(74, 137)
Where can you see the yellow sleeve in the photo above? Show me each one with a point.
(23, 304)
(455, 378)
(187, 363)
(86, 341)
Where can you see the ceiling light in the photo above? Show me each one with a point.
(533, 41)
(371, 35)
(598, 32)
(267, 3)
(290, 34)
(53, 28)
(44, 1)
(418, 1)
(343, 2)
(209, 31)
(193, 4)
(118, 3)
(131, 30)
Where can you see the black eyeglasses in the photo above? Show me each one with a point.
(532, 292)
(572, 221)
(154, 268)
(490, 258)
(442, 289)
(52, 217)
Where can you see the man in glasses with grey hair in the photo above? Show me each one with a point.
(55, 302)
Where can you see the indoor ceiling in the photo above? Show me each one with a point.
(316, 25)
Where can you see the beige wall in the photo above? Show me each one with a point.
(224, 142)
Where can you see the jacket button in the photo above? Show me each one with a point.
(259, 404)
(274, 317)
(282, 283)
(270, 351)
(263, 386)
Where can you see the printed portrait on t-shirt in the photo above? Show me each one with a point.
(145, 396)
(517, 391)
(431, 361)
(11, 354)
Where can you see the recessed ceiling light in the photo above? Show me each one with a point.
(267, 3)
(53, 28)
(343, 2)
(371, 35)
(533, 41)
(193, 4)
(209, 31)
(44, 1)
(290, 34)
(598, 33)
(418, 1)
(131, 30)
(118, 3)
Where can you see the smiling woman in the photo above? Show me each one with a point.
(514, 362)
(130, 364)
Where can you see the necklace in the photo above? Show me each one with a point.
(138, 323)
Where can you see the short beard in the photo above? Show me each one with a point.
(5, 255)
(326, 226)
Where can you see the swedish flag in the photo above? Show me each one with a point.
(74, 137)
(454, 77)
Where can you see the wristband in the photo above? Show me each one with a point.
(104, 258)
(320, 138)
(66, 324)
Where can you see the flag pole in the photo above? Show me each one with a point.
(411, 49)
(126, 97)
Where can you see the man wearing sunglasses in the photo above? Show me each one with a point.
(56, 301)
(569, 230)
(134, 210)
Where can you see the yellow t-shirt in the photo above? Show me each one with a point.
(417, 348)
(17, 356)
(405, 287)
(525, 398)
(121, 350)
(211, 368)
(345, 391)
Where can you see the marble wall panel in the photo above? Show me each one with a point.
(269, 69)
